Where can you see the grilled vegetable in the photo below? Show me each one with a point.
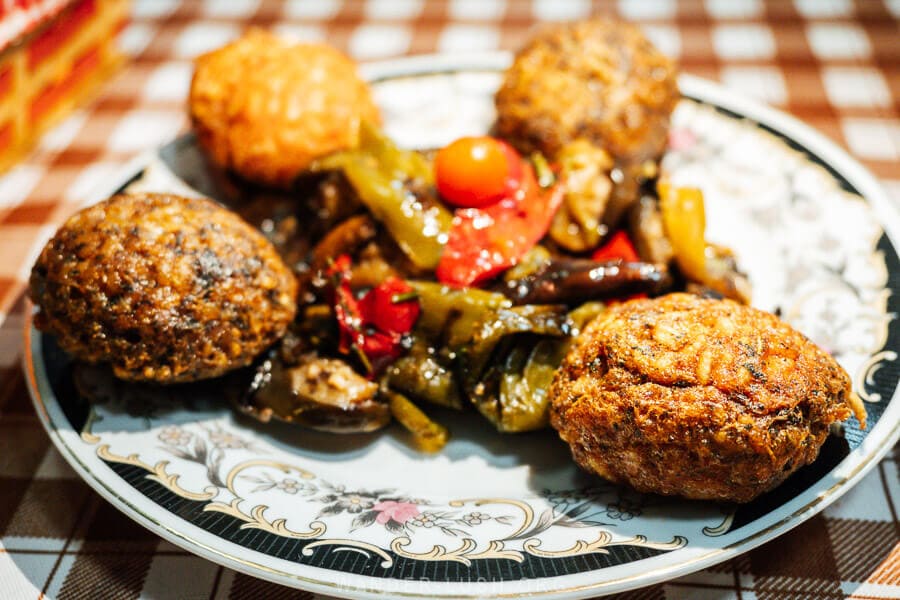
(428, 436)
(503, 369)
(573, 280)
(501, 324)
(533, 261)
(618, 246)
(578, 225)
(584, 314)
(684, 219)
(345, 238)
(424, 376)
(648, 233)
(486, 241)
(397, 162)
(384, 178)
(321, 393)
(525, 377)
(453, 313)
(373, 326)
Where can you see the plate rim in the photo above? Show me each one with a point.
(691, 86)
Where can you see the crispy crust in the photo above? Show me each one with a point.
(598, 80)
(701, 398)
(266, 109)
(163, 288)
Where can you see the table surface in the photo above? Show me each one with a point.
(833, 63)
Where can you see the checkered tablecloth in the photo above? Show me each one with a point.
(833, 63)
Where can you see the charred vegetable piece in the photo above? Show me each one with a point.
(501, 325)
(486, 241)
(526, 376)
(321, 393)
(476, 171)
(684, 219)
(619, 247)
(628, 179)
(570, 281)
(381, 173)
(648, 232)
(312, 331)
(345, 238)
(723, 275)
(428, 436)
(453, 313)
(504, 373)
(422, 375)
(584, 314)
(578, 225)
(533, 261)
(402, 164)
(374, 263)
(373, 326)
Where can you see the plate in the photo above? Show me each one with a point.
(504, 515)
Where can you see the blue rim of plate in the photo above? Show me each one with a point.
(868, 450)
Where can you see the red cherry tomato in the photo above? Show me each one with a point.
(476, 171)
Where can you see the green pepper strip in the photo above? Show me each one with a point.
(428, 436)
(379, 172)
(452, 312)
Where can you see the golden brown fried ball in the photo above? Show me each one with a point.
(163, 288)
(266, 108)
(598, 80)
(700, 398)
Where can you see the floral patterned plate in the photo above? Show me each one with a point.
(503, 515)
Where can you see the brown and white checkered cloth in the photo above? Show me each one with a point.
(833, 63)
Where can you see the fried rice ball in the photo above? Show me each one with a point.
(597, 80)
(706, 399)
(265, 109)
(162, 288)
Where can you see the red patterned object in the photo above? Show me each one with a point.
(53, 53)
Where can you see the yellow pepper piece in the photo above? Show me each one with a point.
(684, 219)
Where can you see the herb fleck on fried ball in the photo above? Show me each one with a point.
(265, 108)
(597, 80)
(165, 289)
(705, 399)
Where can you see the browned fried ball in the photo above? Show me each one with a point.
(700, 398)
(598, 80)
(265, 108)
(162, 288)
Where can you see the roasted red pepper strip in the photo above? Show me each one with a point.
(485, 241)
(374, 325)
(618, 246)
(346, 307)
(388, 307)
